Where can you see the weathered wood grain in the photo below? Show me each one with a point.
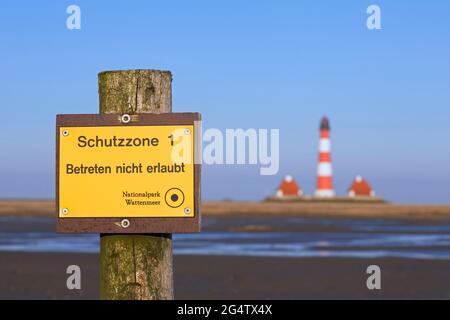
(136, 267)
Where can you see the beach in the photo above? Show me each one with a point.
(250, 254)
(42, 276)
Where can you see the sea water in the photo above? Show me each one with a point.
(358, 238)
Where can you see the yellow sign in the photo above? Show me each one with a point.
(126, 171)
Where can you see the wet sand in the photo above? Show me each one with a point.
(46, 208)
(28, 208)
(327, 210)
(42, 276)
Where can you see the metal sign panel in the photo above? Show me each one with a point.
(124, 174)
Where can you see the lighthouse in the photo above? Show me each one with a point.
(325, 169)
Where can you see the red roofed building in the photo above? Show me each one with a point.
(289, 188)
(361, 188)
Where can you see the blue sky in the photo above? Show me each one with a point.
(244, 64)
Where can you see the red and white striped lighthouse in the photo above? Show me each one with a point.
(325, 169)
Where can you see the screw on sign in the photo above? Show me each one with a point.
(125, 223)
(126, 118)
(116, 175)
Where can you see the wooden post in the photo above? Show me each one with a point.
(135, 267)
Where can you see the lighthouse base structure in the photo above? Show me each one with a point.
(325, 194)
(326, 199)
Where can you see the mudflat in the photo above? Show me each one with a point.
(43, 276)
(46, 208)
